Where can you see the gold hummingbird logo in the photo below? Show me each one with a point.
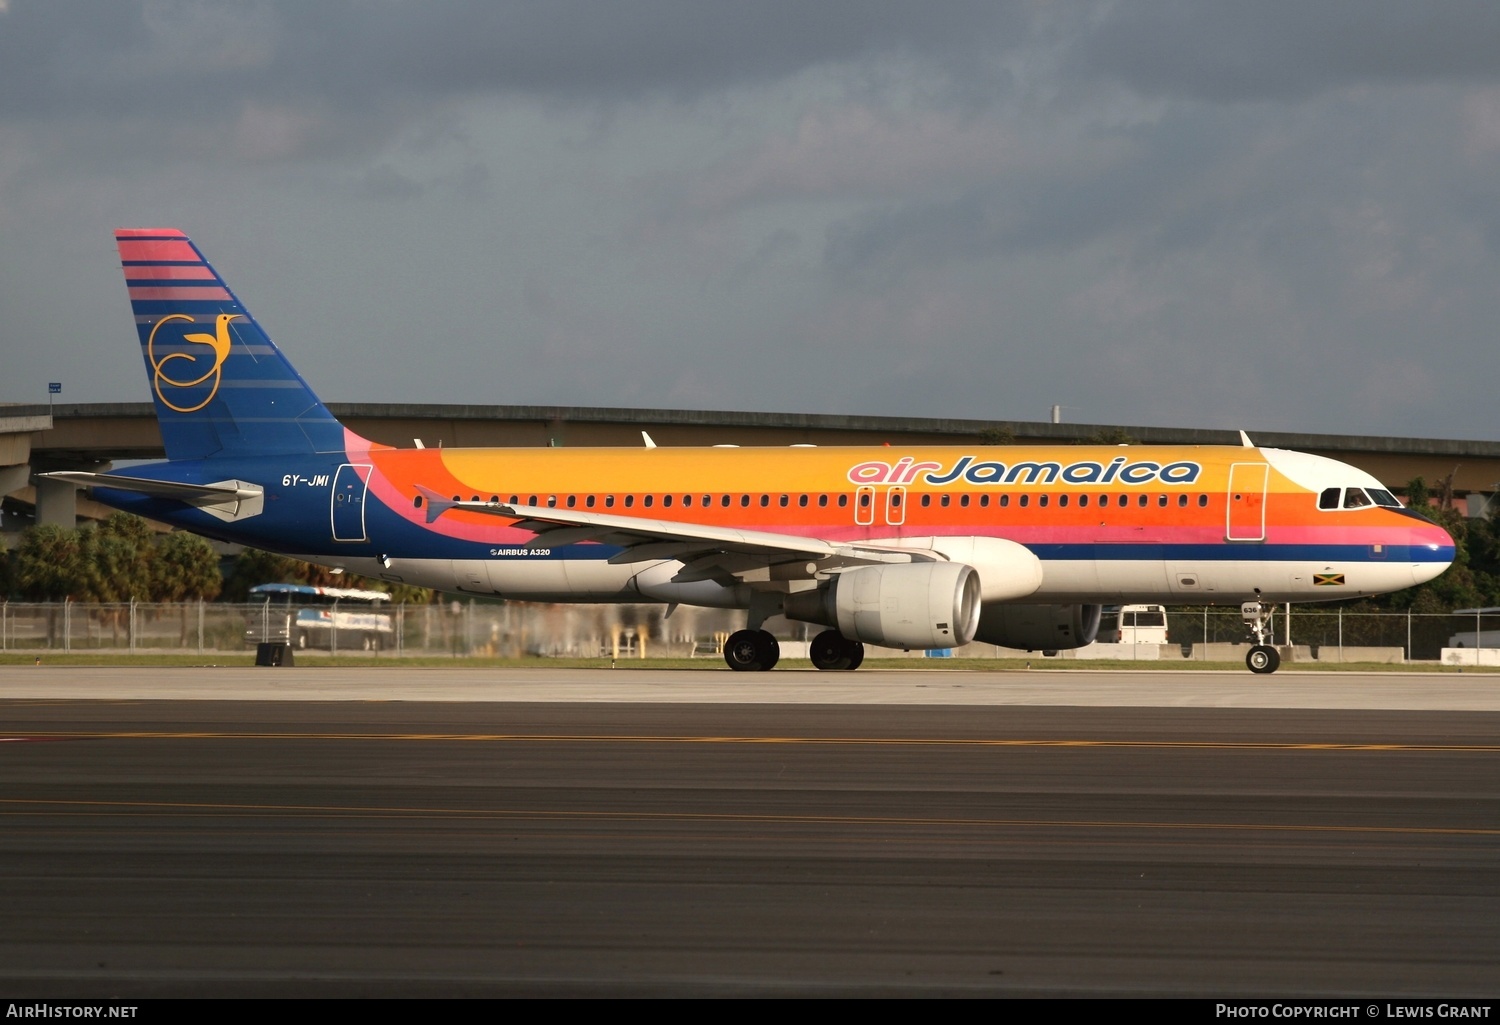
(218, 342)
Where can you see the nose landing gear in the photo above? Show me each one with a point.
(1262, 657)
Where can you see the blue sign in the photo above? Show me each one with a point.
(54, 388)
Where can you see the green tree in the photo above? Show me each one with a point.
(49, 564)
(118, 554)
(185, 568)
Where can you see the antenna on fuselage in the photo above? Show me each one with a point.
(1245, 440)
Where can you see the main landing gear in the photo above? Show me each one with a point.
(832, 650)
(749, 651)
(1262, 657)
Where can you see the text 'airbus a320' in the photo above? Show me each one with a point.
(914, 548)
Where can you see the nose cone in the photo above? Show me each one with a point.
(1431, 552)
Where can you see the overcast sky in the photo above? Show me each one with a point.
(1263, 215)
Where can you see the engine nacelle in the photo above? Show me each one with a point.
(905, 605)
(1038, 627)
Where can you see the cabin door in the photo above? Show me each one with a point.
(349, 486)
(1246, 516)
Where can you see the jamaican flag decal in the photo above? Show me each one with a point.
(1328, 580)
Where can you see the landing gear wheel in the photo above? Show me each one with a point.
(749, 651)
(831, 650)
(770, 650)
(1263, 659)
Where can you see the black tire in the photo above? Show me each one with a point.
(1262, 658)
(770, 650)
(829, 651)
(856, 655)
(744, 650)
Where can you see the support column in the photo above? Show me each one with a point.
(57, 503)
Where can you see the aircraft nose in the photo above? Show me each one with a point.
(1431, 552)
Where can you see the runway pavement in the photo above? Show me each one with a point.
(398, 832)
(1450, 691)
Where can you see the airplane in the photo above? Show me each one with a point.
(923, 547)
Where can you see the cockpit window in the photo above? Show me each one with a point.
(1329, 499)
(1355, 498)
(1385, 498)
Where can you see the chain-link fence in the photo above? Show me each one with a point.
(516, 629)
(510, 629)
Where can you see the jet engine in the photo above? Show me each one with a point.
(1038, 627)
(904, 605)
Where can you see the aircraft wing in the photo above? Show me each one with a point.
(714, 549)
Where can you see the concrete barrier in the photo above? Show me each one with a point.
(1471, 656)
(1353, 653)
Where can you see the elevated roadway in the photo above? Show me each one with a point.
(86, 436)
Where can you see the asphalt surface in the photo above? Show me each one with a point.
(1175, 834)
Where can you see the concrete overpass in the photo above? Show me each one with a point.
(92, 435)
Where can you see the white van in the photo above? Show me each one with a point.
(1133, 624)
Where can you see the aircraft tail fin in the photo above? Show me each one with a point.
(221, 387)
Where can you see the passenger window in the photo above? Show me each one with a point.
(783, 501)
(1062, 501)
(629, 501)
(1182, 501)
(609, 501)
(1004, 501)
(943, 501)
(843, 501)
(1042, 500)
(1161, 500)
(822, 501)
(589, 501)
(984, 501)
(1025, 501)
(802, 501)
(687, 500)
(1083, 501)
(1142, 501)
(963, 500)
(765, 500)
(744, 501)
(572, 501)
(1329, 499)
(864, 499)
(926, 501)
(666, 501)
(1203, 501)
(1125, 500)
(896, 500)
(646, 501)
(724, 501)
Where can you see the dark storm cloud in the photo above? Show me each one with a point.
(1145, 181)
(158, 57)
(1288, 49)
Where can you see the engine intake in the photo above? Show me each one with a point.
(905, 605)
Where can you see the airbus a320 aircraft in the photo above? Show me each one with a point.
(915, 548)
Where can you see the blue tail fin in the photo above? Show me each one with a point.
(220, 386)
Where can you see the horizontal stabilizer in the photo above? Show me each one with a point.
(226, 500)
